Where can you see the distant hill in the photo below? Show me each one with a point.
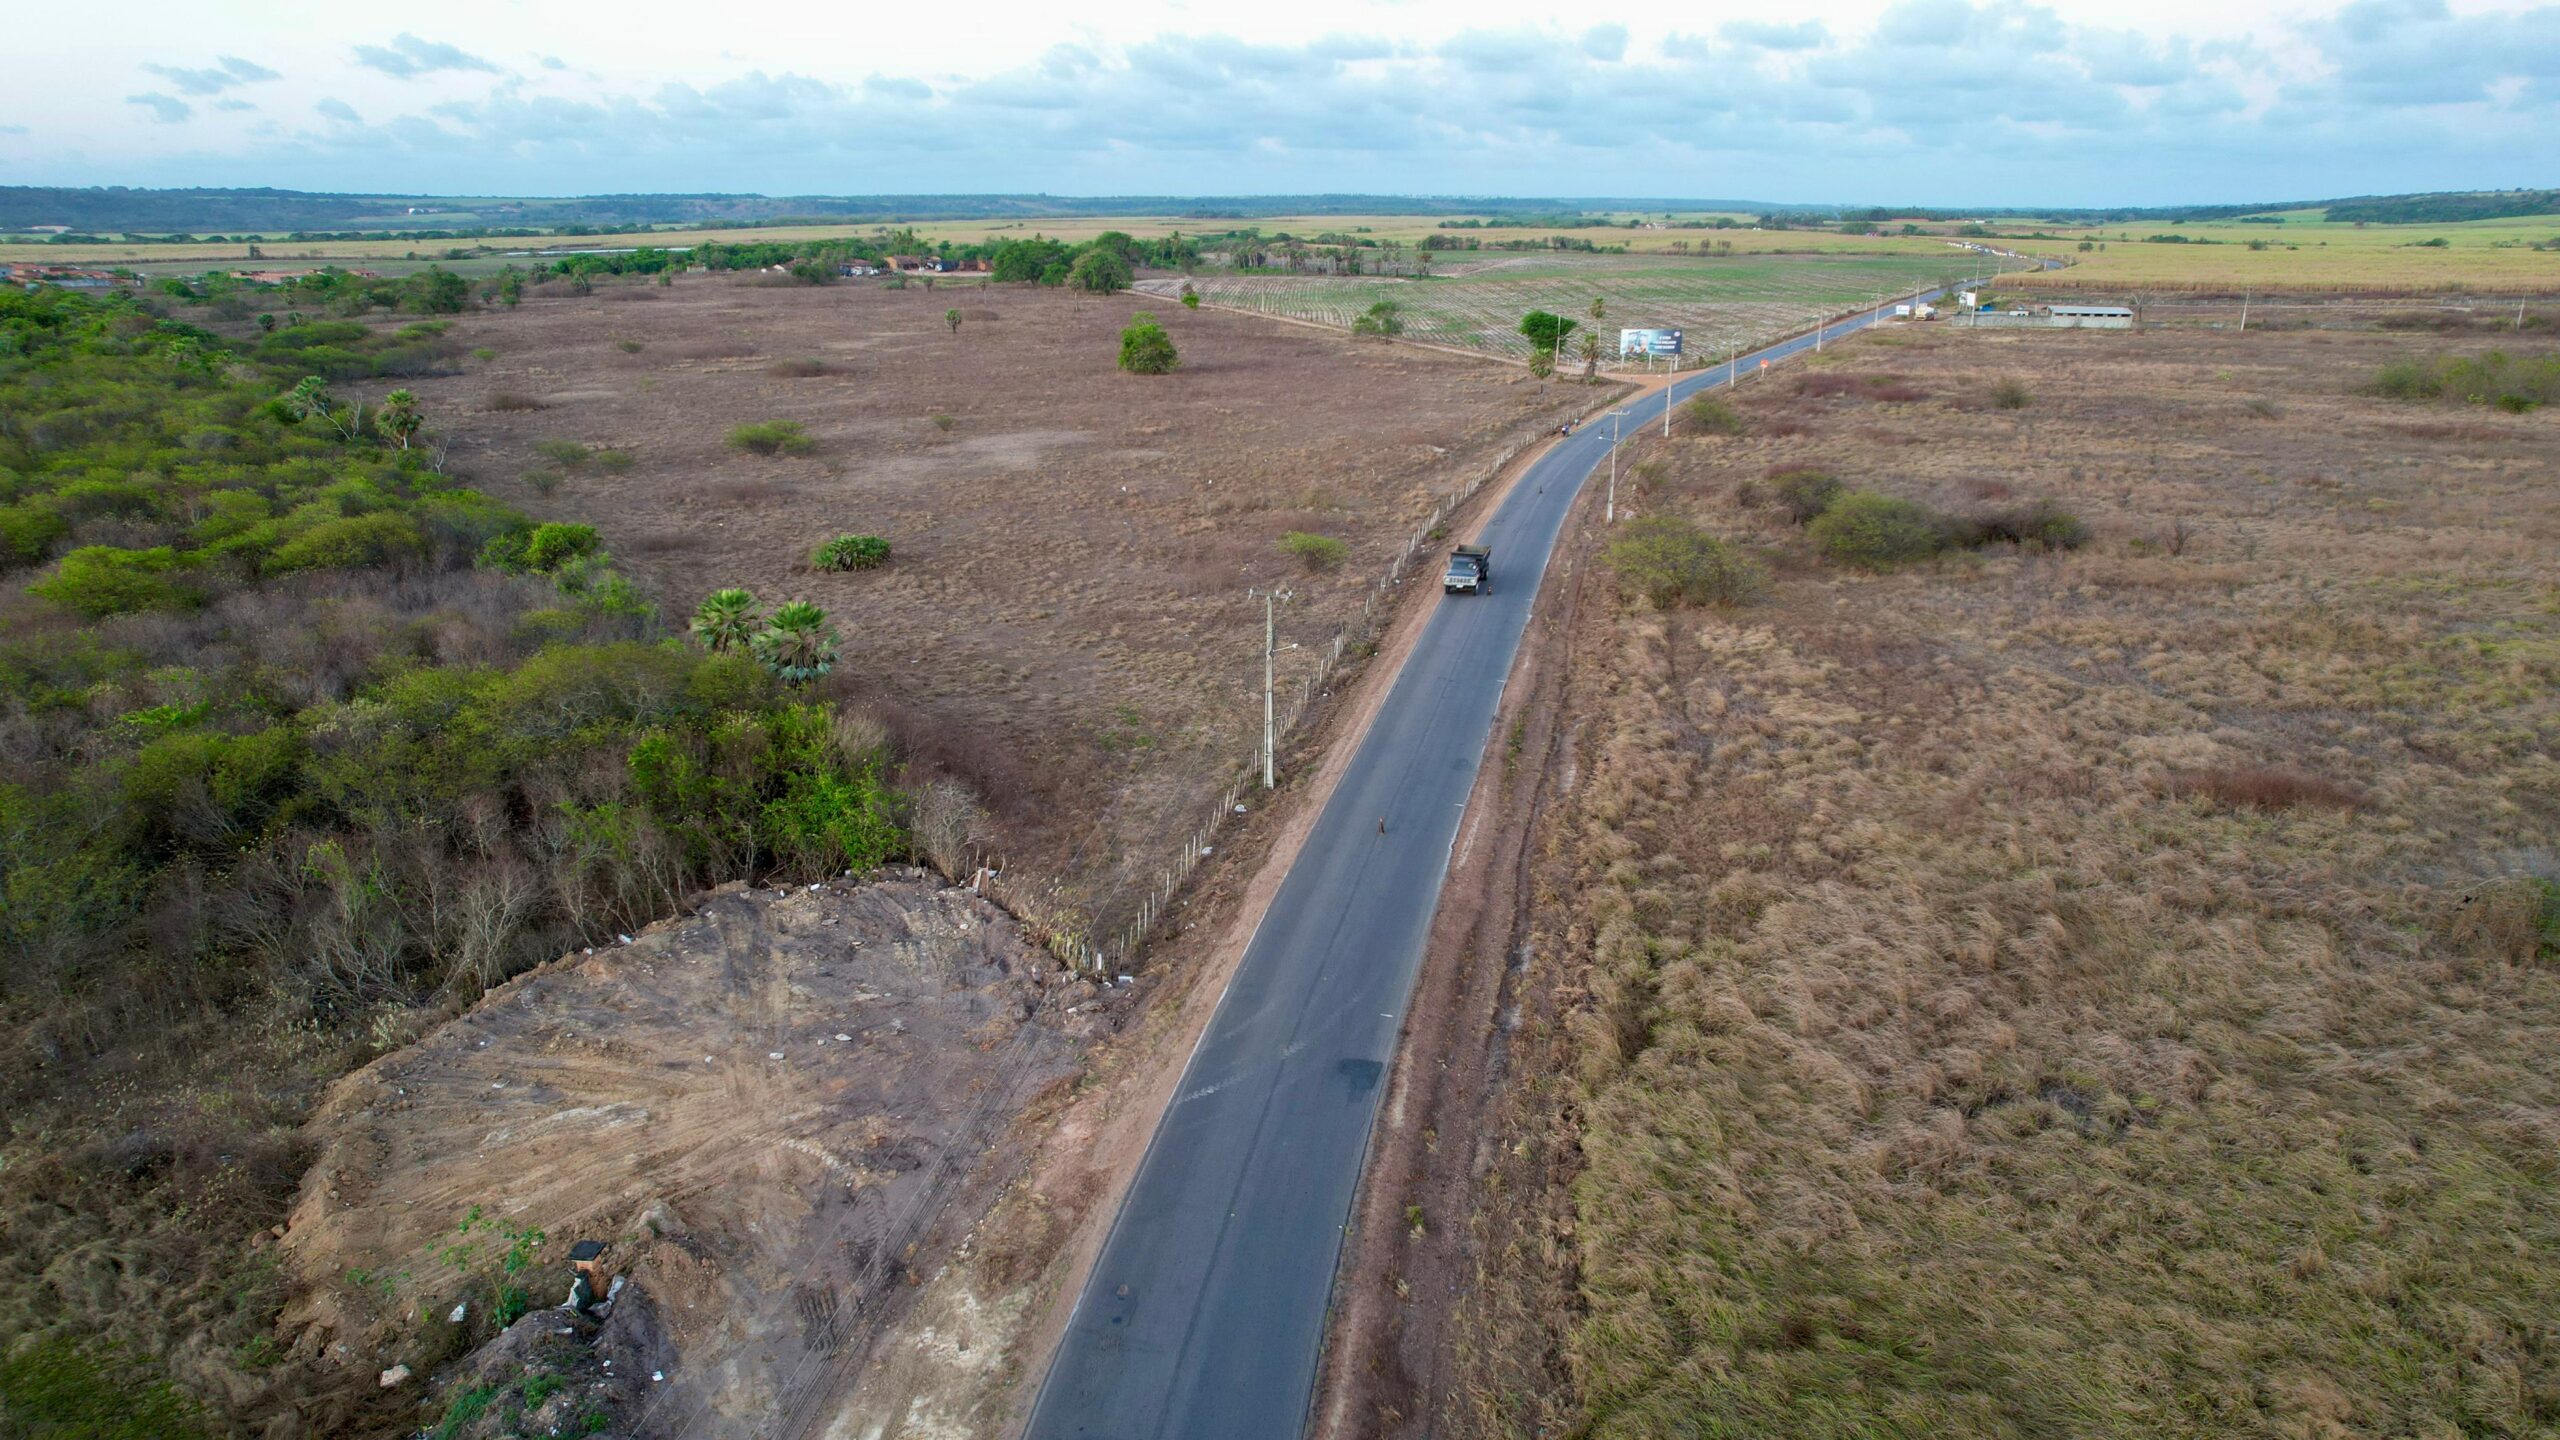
(115, 210)
(110, 210)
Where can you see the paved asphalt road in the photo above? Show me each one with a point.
(1204, 1315)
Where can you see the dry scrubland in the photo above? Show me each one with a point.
(1064, 625)
(2060, 994)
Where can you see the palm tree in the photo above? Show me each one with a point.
(399, 417)
(797, 643)
(727, 621)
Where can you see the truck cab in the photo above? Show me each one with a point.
(1470, 571)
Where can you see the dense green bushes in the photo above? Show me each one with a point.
(298, 734)
(2495, 378)
(1875, 532)
(1674, 562)
(851, 552)
(1319, 553)
(1145, 348)
(771, 437)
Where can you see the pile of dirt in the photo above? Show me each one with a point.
(779, 1114)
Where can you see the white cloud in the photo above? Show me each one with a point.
(227, 72)
(165, 109)
(409, 57)
(1953, 101)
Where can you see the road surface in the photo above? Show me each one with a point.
(1204, 1314)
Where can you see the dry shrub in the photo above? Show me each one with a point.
(726, 348)
(2515, 918)
(1982, 489)
(1832, 385)
(507, 401)
(663, 542)
(949, 827)
(2265, 787)
(803, 369)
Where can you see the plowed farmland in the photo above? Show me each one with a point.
(1476, 305)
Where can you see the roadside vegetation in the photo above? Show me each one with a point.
(302, 741)
(2101, 983)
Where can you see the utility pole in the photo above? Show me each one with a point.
(2244, 312)
(1614, 417)
(1270, 647)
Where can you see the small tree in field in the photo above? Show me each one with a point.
(952, 319)
(727, 620)
(1144, 347)
(1384, 320)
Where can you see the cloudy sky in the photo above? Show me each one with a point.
(1917, 101)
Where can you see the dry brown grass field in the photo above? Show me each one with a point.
(1065, 623)
(2105, 992)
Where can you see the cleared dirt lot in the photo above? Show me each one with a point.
(781, 1114)
(2028, 993)
(1065, 624)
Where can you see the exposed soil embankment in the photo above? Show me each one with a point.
(780, 1113)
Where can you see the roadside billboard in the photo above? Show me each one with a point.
(1648, 342)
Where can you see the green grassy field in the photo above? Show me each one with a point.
(2308, 252)
(1477, 302)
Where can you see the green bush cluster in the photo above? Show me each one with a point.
(1145, 348)
(1673, 561)
(1708, 415)
(1804, 494)
(2512, 384)
(771, 437)
(1878, 532)
(1319, 553)
(851, 552)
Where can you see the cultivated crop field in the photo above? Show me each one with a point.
(2306, 252)
(2110, 990)
(1476, 303)
(1064, 622)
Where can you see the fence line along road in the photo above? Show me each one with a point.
(1204, 1313)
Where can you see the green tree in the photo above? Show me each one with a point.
(952, 319)
(727, 620)
(1546, 332)
(1144, 347)
(1100, 272)
(796, 644)
(1384, 320)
